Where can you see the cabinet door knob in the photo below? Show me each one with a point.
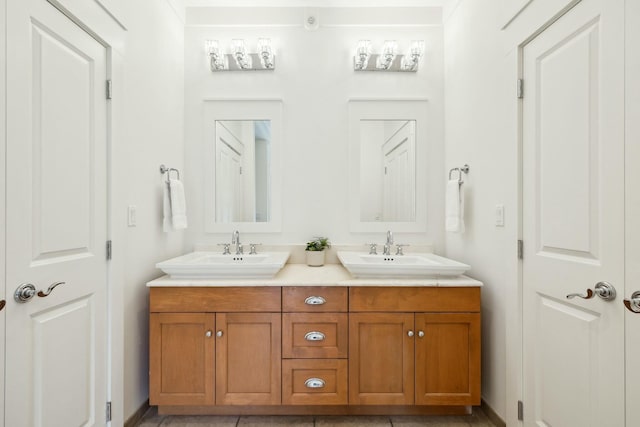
(219, 333)
(421, 334)
(314, 383)
(410, 333)
(314, 336)
(208, 334)
(313, 300)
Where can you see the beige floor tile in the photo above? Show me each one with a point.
(275, 421)
(151, 418)
(199, 421)
(429, 421)
(353, 421)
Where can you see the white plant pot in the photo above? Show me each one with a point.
(315, 258)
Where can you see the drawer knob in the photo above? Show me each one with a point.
(410, 333)
(421, 334)
(219, 334)
(314, 383)
(313, 300)
(208, 334)
(314, 336)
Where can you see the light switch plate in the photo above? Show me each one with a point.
(499, 215)
(132, 219)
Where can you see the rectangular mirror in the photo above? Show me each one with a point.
(242, 170)
(243, 149)
(387, 170)
(388, 156)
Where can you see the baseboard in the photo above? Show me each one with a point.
(134, 419)
(491, 414)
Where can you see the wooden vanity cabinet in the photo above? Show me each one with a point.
(230, 350)
(230, 354)
(399, 355)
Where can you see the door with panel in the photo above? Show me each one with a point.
(248, 358)
(448, 358)
(181, 359)
(381, 359)
(632, 172)
(56, 224)
(573, 219)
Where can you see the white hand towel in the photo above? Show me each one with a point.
(166, 209)
(178, 205)
(454, 207)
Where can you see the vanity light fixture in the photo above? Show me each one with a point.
(388, 59)
(240, 59)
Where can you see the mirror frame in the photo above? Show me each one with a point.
(243, 109)
(388, 109)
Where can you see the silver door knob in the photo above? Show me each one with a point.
(24, 293)
(208, 334)
(633, 303)
(410, 333)
(421, 334)
(219, 334)
(42, 294)
(604, 290)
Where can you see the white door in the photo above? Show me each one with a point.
(56, 221)
(229, 176)
(632, 154)
(398, 155)
(573, 219)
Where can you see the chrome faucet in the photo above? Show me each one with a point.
(235, 240)
(387, 246)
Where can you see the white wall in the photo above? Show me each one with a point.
(478, 132)
(153, 102)
(314, 77)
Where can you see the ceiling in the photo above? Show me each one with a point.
(313, 3)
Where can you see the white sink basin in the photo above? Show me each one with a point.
(409, 266)
(213, 265)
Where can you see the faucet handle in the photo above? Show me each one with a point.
(252, 248)
(373, 248)
(225, 249)
(399, 248)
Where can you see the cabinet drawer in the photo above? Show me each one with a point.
(214, 299)
(412, 299)
(314, 335)
(314, 299)
(314, 382)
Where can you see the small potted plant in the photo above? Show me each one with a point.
(315, 251)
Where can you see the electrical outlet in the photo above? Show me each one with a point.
(132, 219)
(499, 215)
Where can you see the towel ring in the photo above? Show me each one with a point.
(164, 169)
(464, 169)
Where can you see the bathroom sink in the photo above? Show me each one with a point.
(213, 265)
(408, 266)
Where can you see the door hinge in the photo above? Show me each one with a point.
(109, 248)
(108, 411)
(520, 89)
(520, 411)
(520, 249)
(109, 89)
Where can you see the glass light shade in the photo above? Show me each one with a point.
(240, 53)
(417, 47)
(389, 47)
(211, 46)
(265, 51)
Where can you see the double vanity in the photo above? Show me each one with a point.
(385, 335)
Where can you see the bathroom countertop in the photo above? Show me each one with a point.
(327, 275)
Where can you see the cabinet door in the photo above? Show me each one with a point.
(448, 359)
(181, 349)
(381, 357)
(248, 358)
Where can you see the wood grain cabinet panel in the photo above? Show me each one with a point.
(381, 359)
(181, 359)
(327, 382)
(314, 335)
(248, 358)
(448, 359)
(301, 298)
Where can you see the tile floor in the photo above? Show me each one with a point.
(152, 419)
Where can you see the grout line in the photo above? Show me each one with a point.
(238, 421)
